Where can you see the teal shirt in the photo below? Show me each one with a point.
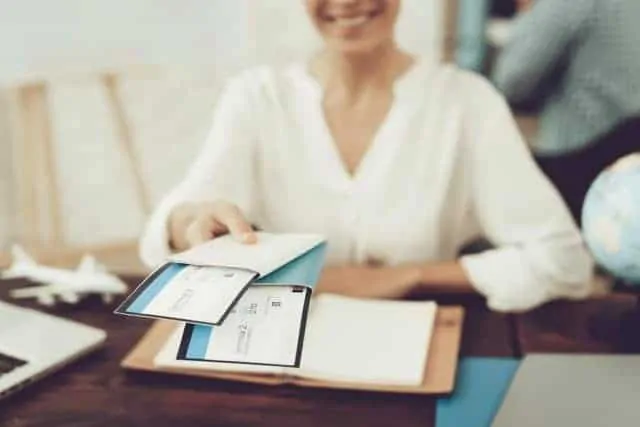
(578, 61)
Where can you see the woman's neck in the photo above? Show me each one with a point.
(355, 73)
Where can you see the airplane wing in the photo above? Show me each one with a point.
(34, 291)
(46, 294)
(90, 265)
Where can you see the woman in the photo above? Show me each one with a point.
(396, 161)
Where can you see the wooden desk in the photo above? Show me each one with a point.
(608, 324)
(97, 392)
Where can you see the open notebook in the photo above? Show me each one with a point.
(346, 340)
(439, 377)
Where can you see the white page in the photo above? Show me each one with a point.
(271, 252)
(199, 294)
(166, 358)
(367, 341)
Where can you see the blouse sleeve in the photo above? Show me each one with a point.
(539, 252)
(223, 169)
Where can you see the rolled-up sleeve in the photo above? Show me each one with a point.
(539, 252)
(223, 169)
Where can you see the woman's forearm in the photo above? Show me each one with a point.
(394, 282)
(444, 277)
(369, 282)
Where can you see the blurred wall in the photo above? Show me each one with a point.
(7, 196)
(47, 37)
(192, 46)
(44, 37)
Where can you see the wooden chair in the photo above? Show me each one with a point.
(40, 217)
(92, 154)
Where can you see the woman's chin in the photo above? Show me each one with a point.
(354, 47)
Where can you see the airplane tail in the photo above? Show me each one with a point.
(22, 262)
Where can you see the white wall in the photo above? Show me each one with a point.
(41, 37)
(202, 40)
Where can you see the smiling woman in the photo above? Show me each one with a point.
(396, 160)
(355, 26)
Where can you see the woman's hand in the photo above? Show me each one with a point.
(191, 224)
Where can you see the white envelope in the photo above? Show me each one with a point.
(271, 252)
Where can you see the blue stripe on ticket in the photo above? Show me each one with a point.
(200, 337)
(151, 291)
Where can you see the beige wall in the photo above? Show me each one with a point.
(7, 202)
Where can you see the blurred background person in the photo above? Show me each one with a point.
(577, 63)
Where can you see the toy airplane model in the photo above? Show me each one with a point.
(66, 285)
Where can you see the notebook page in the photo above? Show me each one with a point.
(367, 341)
(270, 252)
(166, 358)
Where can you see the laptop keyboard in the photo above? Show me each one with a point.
(9, 363)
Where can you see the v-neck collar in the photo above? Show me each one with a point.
(387, 138)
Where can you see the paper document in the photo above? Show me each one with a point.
(265, 327)
(271, 252)
(188, 293)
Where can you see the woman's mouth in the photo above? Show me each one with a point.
(352, 20)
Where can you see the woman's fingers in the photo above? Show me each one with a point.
(213, 219)
(200, 230)
(232, 218)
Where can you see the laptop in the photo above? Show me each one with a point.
(567, 390)
(34, 344)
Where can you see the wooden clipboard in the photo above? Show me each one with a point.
(439, 378)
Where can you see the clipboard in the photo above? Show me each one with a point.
(439, 378)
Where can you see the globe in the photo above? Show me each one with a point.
(611, 219)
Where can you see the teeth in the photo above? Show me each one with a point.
(351, 22)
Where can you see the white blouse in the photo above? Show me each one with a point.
(447, 165)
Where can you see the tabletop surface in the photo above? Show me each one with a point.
(96, 391)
